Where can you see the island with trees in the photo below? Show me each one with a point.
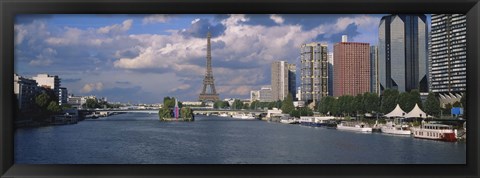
(167, 111)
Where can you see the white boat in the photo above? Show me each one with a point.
(354, 126)
(393, 128)
(435, 131)
(243, 116)
(224, 115)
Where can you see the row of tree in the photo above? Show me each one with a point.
(372, 103)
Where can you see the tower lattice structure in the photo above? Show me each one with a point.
(208, 92)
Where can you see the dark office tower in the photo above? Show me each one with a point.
(448, 70)
(402, 52)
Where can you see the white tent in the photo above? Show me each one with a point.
(416, 112)
(397, 112)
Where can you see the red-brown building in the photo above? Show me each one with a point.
(351, 68)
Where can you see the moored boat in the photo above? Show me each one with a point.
(435, 131)
(224, 115)
(243, 116)
(354, 126)
(397, 129)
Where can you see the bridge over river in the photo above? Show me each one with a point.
(203, 111)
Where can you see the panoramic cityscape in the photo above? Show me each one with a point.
(240, 89)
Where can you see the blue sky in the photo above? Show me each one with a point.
(142, 58)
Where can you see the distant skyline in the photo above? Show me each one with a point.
(142, 58)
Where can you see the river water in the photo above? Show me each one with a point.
(140, 138)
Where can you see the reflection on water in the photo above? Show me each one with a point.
(138, 138)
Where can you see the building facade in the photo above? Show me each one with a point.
(25, 90)
(314, 72)
(283, 80)
(352, 68)
(402, 52)
(448, 51)
(62, 96)
(48, 81)
(374, 83)
(265, 94)
(331, 76)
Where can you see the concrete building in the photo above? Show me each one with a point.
(374, 83)
(314, 72)
(352, 68)
(262, 95)
(254, 95)
(283, 80)
(25, 90)
(48, 81)
(448, 62)
(402, 52)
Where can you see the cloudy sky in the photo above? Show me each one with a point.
(142, 58)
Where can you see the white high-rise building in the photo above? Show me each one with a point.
(48, 81)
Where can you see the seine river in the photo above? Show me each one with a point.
(137, 138)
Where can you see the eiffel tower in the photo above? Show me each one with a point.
(208, 93)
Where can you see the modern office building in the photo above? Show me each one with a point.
(25, 90)
(402, 52)
(292, 80)
(374, 84)
(314, 72)
(283, 80)
(330, 74)
(48, 81)
(352, 68)
(448, 50)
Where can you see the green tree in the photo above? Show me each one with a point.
(463, 100)
(305, 111)
(53, 107)
(254, 105)
(295, 113)
(42, 100)
(287, 104)
(448, 109)
(246, 106)
(371, 102)
(237, 104)
(326, 105)
(457, 104)
(164, 113)
(186, 112)
(358, 105)
(92, 103)
(432, 105)
(389, 100)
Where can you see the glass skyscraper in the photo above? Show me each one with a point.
(402, 52)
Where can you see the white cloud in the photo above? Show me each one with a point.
(157, 18)
(195, 21)
(277, 18)
(89, 87)
(125, 26)
(241, 63)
